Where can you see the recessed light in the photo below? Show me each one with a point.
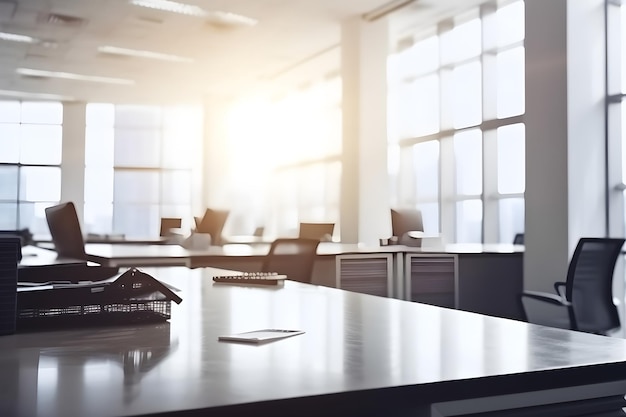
(142, 54)
(14, 37)
(192, 10)
(34, 96)
(72, 76)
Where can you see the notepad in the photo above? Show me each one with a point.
(260, 336)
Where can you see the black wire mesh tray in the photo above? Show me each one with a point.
(133, 297)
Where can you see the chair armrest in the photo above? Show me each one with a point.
(558, 286)
(547, 297)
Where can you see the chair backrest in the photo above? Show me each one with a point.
(65, 231)
(169, 223)
(518, 239)
(292, 257)
(213, 223)
(589, 285)
(404, 221)
(320, 231)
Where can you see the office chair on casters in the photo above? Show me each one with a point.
(320, 231)
(292, 257)
(585, 299)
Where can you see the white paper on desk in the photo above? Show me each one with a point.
(260, 336)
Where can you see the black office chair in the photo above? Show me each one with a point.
(320, 231)
(518, 239)
(292, 257)
(585, 299)
(65, 231)
(213, 223)
(404, 221)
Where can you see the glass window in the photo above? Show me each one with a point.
(469, 216)
(511, 218)
(511, 159)
(8, 183)
(467, 98)
(9, 142)
(426, 163)
(510, 20)
(511, 83)
(468, 151)
(50, 113)
(10, 111)
(41, 144)
(40, 184)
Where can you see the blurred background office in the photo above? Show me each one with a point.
(489, 117)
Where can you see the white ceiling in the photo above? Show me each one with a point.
(226, 60)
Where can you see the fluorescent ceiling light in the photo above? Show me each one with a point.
(74, 77)
(14, 37)
(34, 96)
(192, 10)
(142, 54)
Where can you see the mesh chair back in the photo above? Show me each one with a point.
(292, 257)
(65, 231)
(589, 285)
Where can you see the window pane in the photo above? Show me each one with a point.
(469, 216)
(40, 184)
(8, 183)
(426, 110)
(138, 116)
(511, 83)
(100, 115)
(8, 216)
(430, 218)
(468, 153)
(41, 144)
(98, 185)
(99, 146)
(511, 218)
(462, 42)
(137, 148)
(176, 189)
(467, 97)
(136, 220)
(33, 217)
(10, 111)
(98, 218)
(511, 159)
(426, 163)
(136, 187)
(510, 20)
(42, 112)
(9, 142)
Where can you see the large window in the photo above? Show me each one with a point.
(30, 159)
(456, 100)
(142, 163)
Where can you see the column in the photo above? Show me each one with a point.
(364, 214)
(565, 145)
(73, 156)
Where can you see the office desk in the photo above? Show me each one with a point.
(361, 355)
(33, 256)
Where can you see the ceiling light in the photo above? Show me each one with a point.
(191, 10)
(34, 96)
(74, 77)
(142, 54)
(5, 36)
(171, 6)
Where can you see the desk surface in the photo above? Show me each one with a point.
(33, 256)
(361, 353)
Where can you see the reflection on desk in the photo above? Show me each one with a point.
(362, 355)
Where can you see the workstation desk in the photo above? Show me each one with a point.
(482, 278)
(360, 355)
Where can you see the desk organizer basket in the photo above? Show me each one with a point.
(133, 297)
